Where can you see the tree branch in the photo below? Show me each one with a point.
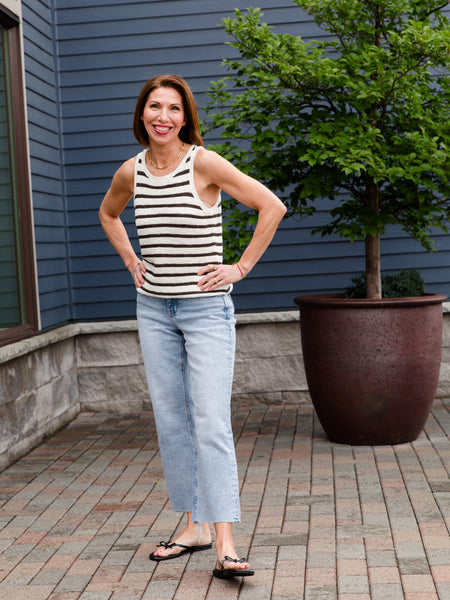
(436, 9)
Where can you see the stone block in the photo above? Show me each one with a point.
(123, 386)
(297, 396)
(30, 371)
(268, 340)
(17, 417)
(56, 397)
(109, 349)
(443, 390)
(446, 331)
(258, 398)
(294, 397)
(48, 363)
(30, 412)
(280, 373)
(21, 445)
(13, 380)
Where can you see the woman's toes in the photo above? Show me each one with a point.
(235, 564)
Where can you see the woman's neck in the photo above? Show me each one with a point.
(161, 159)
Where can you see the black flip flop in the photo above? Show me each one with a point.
(186, 550)
(230, 573)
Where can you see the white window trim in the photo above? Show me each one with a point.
(14, 6)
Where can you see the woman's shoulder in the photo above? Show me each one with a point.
(127, 168)
(124, 176)
(208, 160)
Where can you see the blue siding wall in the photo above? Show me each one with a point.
(46, 163)
(106, 50)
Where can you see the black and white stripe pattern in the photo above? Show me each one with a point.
(178, 233)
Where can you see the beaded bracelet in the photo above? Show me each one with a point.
(240, 270)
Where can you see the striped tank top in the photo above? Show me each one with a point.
(178, 233)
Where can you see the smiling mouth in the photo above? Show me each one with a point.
(162, 128)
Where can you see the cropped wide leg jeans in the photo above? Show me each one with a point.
(188, 346)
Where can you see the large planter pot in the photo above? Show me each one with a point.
(372, 366)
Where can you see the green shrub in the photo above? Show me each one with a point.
(404, 284)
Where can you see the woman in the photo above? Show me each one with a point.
(184, 310)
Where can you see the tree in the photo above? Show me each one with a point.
(361, 117)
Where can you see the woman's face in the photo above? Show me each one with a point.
(163, 115)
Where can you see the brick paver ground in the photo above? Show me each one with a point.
(321, 521)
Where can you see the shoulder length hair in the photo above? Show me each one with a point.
(189, 133)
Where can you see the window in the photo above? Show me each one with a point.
(18, 304)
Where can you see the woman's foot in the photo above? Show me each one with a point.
(232, 567)
(195, 537)
(228, 565)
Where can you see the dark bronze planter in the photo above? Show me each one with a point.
(372, 366)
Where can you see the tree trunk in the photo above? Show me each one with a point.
(373, 267)
(373, 272)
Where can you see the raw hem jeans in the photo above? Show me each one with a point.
(188, 346)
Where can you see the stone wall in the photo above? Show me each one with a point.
(38, 391)
(45, 381)
(268, 366)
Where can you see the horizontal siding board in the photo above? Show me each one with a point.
(45, 170)
(89, 249)
(81, 236)
(153, 58)
(92, 311)
(166, 26)
(51, 268)
(38, 26)
(55, 284)
(49, 219)
(97, 107)
(39, 55)
(102, 58)
(80, 13)
(107, 279)
(118, 292)
(42, 93)
(88, 224)
(46, 193)
(112, 125)
(169, 15)
(110, 267)
(47, 250)
(47, 136)
(79, 188)
(52, 234)
(85, 207)
(40, 106)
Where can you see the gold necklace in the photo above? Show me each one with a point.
(168, 164)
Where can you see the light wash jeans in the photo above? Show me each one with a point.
(188, 346)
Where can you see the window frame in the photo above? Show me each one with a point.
(28, 294)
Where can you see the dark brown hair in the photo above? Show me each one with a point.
(189, 133)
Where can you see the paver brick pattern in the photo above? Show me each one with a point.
(80, 514)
